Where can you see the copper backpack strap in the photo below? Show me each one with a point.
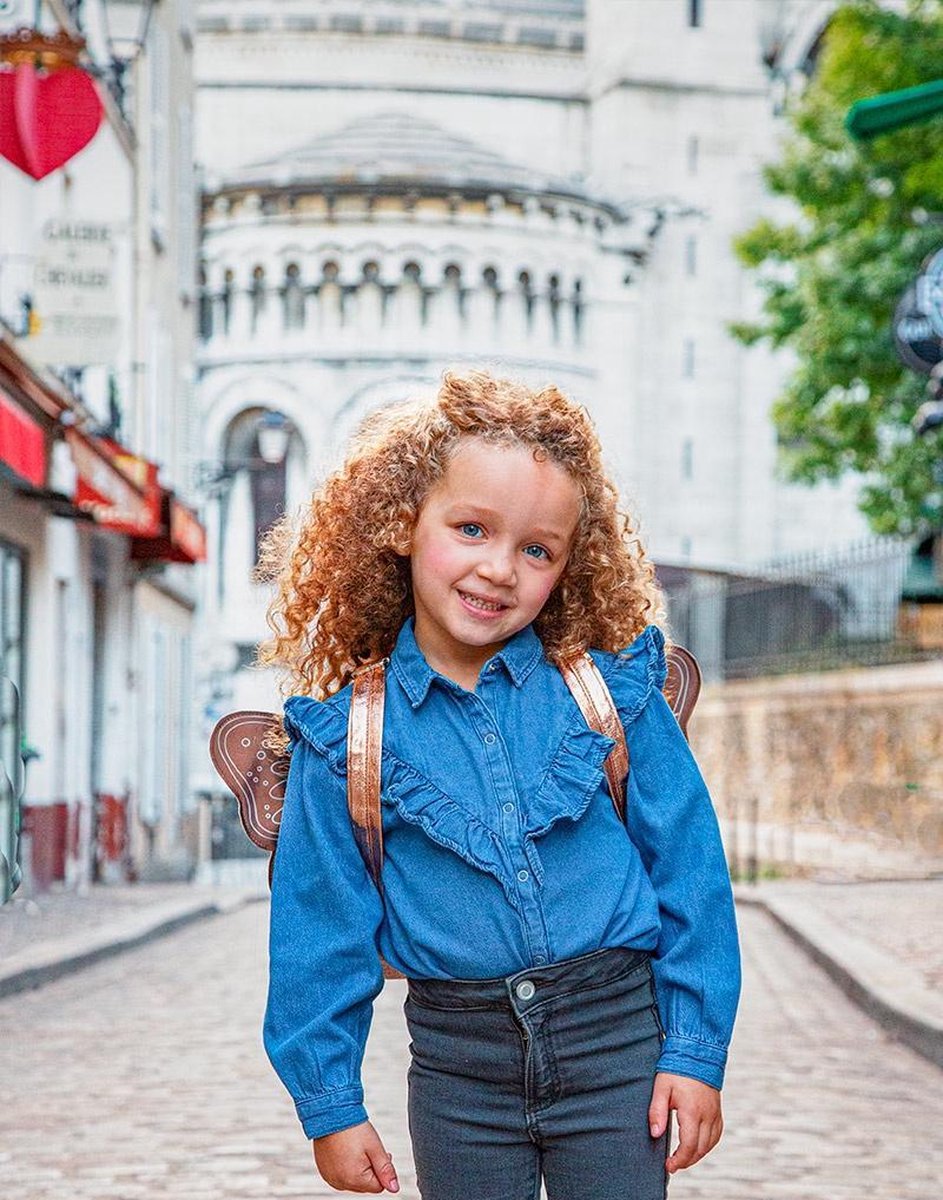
(594, 700)
(364, 751)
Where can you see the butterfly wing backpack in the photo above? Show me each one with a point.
(256, 774)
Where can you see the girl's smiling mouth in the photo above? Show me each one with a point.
(479, 604)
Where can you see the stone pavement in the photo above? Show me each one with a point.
(880, 941)
(142, 1077)
(45, 936)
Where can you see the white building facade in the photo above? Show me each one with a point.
(550, 190)
(97, 532)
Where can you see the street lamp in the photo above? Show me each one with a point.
(273, 433)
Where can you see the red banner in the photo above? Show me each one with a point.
(118, 489)
(187, 535)
(22, 443)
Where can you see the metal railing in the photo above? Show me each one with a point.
(809, 612)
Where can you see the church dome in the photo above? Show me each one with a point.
(398, 152)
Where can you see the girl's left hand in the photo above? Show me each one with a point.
(700, 1123)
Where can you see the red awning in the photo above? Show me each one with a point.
(119, 490)
(22, 443)
(182, 537)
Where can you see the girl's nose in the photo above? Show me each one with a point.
(497, 566)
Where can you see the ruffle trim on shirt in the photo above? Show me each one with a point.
(422, 803)
(635, 672)
(320, 723)
(571, 780)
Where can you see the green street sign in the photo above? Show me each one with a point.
(894, 110)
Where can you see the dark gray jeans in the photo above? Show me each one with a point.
(547, 1074)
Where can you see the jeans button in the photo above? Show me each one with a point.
(525, 989)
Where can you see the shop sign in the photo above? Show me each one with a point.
(74, 303)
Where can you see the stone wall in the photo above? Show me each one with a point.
(840, 772)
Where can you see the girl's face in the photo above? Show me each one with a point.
(490, 543)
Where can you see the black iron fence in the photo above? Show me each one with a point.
(808, 612)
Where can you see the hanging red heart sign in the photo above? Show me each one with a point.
(46, 118)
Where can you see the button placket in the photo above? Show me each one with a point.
(497, 763)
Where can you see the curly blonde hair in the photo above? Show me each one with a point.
(343, 586)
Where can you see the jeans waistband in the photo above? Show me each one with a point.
(529, 987)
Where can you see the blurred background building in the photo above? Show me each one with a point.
(97, 532)
(550, 188)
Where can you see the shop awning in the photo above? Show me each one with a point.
(117, 489)
(182, 537)
(22, 443)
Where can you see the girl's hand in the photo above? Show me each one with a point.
(354, 1160)
(700, 1123)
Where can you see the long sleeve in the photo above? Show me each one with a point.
(696, 965)
(324, 972)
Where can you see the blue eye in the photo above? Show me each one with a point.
(540, 551)
(470, 529)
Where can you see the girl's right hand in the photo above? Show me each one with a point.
(355, 1160)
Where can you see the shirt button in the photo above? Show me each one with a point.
(489, 739)
(522, 876)
(509, 808)
(539, 958)
(525, 989)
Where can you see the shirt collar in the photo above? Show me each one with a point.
(519, 657)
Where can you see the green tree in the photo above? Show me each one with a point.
(866, 215)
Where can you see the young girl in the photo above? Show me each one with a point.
(571, 980)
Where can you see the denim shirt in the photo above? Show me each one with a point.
(502, 851)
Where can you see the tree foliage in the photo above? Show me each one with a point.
(865, 217)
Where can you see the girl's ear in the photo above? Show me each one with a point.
(400, 535)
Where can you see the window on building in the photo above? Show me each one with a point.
(687, 359)
(695, 13)
(293, 298)
(225, 299)
(687, 458)
(690, 255)
(206, 307)
(527, 294)
(257, 297)
(12, 654)
(578, 305)
(553, 299)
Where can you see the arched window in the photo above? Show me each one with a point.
(489, 277)
(578, 302)
(453, 283)
(527, 295)
(293, 298)
(256, 297)
(206, 307)
(553, 299)
(225, 300)
(258, 446)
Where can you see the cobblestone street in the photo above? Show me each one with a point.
(144, 1076)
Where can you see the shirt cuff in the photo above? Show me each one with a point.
(331, 1112)
(698, 1060)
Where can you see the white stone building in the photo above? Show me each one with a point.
(549, 188)
(97, 535)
